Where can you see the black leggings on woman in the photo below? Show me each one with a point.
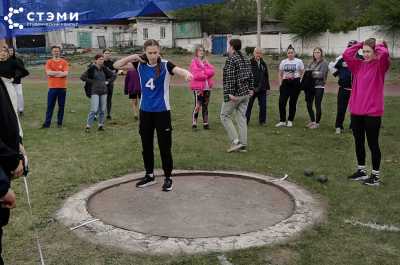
(367, 126)
(161, 123)
(289, 90)
(201, 100)
(317, 94)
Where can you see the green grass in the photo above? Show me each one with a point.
(64, 161)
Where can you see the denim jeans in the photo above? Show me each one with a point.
(98, 104)
(59, 95)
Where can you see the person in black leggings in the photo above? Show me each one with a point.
(366, 103)
(290, 72)
(319, 69)
(155, 108)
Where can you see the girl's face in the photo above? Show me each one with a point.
(100, 61)
(4, 53)
(317, 54)
(152, 53)
(290, 54)
(368, 53)
(200, 52)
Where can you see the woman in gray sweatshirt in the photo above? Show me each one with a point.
(97, 77)
(319, 72)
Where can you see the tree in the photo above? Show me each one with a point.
(279, 8)
(386, 13)
(309, 18)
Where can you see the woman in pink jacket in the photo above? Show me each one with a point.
(366, 103)
(201, 85)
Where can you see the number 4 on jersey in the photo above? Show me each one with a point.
(150, 84)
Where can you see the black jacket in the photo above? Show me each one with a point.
(9, 146)
(13, 68)
(261, 77)
(343, 73)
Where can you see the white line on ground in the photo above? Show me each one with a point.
(83, 224)
(281, 179)
(389, 228)
(223, 260)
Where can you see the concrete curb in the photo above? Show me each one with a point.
(308, 211)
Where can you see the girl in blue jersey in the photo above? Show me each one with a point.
(154, 75)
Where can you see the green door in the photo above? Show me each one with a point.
(85, 39)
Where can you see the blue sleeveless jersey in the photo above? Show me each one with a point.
(155, 91)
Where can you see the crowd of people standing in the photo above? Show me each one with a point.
(360, 79)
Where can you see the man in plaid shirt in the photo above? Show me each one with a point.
(238, 84)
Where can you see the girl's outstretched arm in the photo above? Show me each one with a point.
(182, 73)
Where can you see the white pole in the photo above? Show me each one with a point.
(258, 23)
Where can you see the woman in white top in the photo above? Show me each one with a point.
(290, 72)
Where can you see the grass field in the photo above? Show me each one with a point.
(63, 161)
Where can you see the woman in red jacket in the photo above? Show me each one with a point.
(201, 85)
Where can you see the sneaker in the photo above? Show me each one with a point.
(109, 117)
(280, 124)
(359, 175)
(338, 131)
(101, 128)
(194, 126)
(146, 181)
(373, 180)
(234, 147)
(44, 126)
(87, 130)
(243, 149)
(167, 184)
(314, 126)
(206, 126)
(289, 124)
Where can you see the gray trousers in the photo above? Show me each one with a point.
(237, 108)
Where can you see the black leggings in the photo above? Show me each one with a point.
(110, 91)
(201, 100)
(289, 90)
(161, 122)
(317, 94)
(342, 102)
(369, 126)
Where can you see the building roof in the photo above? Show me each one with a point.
(150, 10)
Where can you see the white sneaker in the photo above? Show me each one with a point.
(234, 148)
(338, 131)
(289, 124)
(280, 124)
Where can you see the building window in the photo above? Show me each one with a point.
(162, 33)
(145, 34)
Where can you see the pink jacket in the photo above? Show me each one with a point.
(368, 80)
(202, 74)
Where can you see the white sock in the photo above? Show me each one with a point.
(375, 172)
(361, 168)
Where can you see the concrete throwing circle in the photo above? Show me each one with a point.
(207, 211)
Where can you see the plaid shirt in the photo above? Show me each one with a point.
(237, 77)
